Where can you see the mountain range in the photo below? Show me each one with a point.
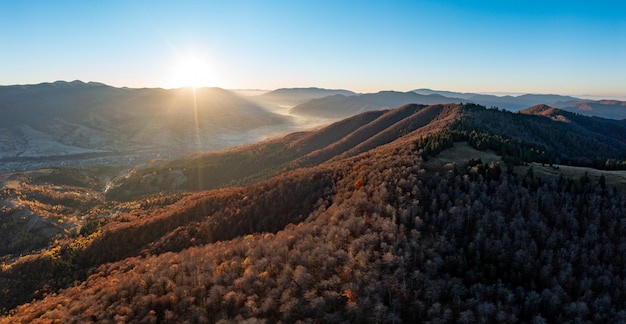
(421, 213)
(339, 105)
(342, 105)
(613, 109)
(93, 124)
(506, 102)
(79, 120)
(288, 97)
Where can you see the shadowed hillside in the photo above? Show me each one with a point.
(98, 105)
(67, 119)
(568, 138)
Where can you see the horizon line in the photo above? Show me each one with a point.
(493, 93)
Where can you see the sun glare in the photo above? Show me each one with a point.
(192, 72)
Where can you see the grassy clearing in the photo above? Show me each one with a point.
(613, 178)
(462, 152)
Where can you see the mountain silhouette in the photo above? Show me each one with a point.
(613, 109)
(295, 96)
(339, 106)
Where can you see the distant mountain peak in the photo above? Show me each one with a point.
(547, 111)
(444, 93)
(76, 84)
(296, 96)
(307, 89)
(68, 83)
(537, 109)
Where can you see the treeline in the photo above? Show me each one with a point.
(581, 141)
(513, 151)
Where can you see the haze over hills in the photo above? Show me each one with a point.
(508, 102)
(289, 97)
(91, 124)
(77, 118)
(339, 106)
(420, 213)
(613, 109)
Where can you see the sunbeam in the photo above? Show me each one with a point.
(192, 71)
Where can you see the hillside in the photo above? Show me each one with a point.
(611, 109)
(601, 108)
(515, 103)
(243, 165)
(525, 136)
(289, 97)
(604, 137)
(341, 106)
(410, 216)
(508, 102)
(39, 206)
(75, 120)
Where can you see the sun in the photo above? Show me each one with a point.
(192, 72)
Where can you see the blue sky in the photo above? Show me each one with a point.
(567, 47)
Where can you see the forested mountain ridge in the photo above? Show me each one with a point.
(561, 137)
(247, 164)
(525, 136)
(387, 234)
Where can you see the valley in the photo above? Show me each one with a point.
(78, 124)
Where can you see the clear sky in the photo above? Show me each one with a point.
(565, 47)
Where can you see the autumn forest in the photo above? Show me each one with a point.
(425, 213)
